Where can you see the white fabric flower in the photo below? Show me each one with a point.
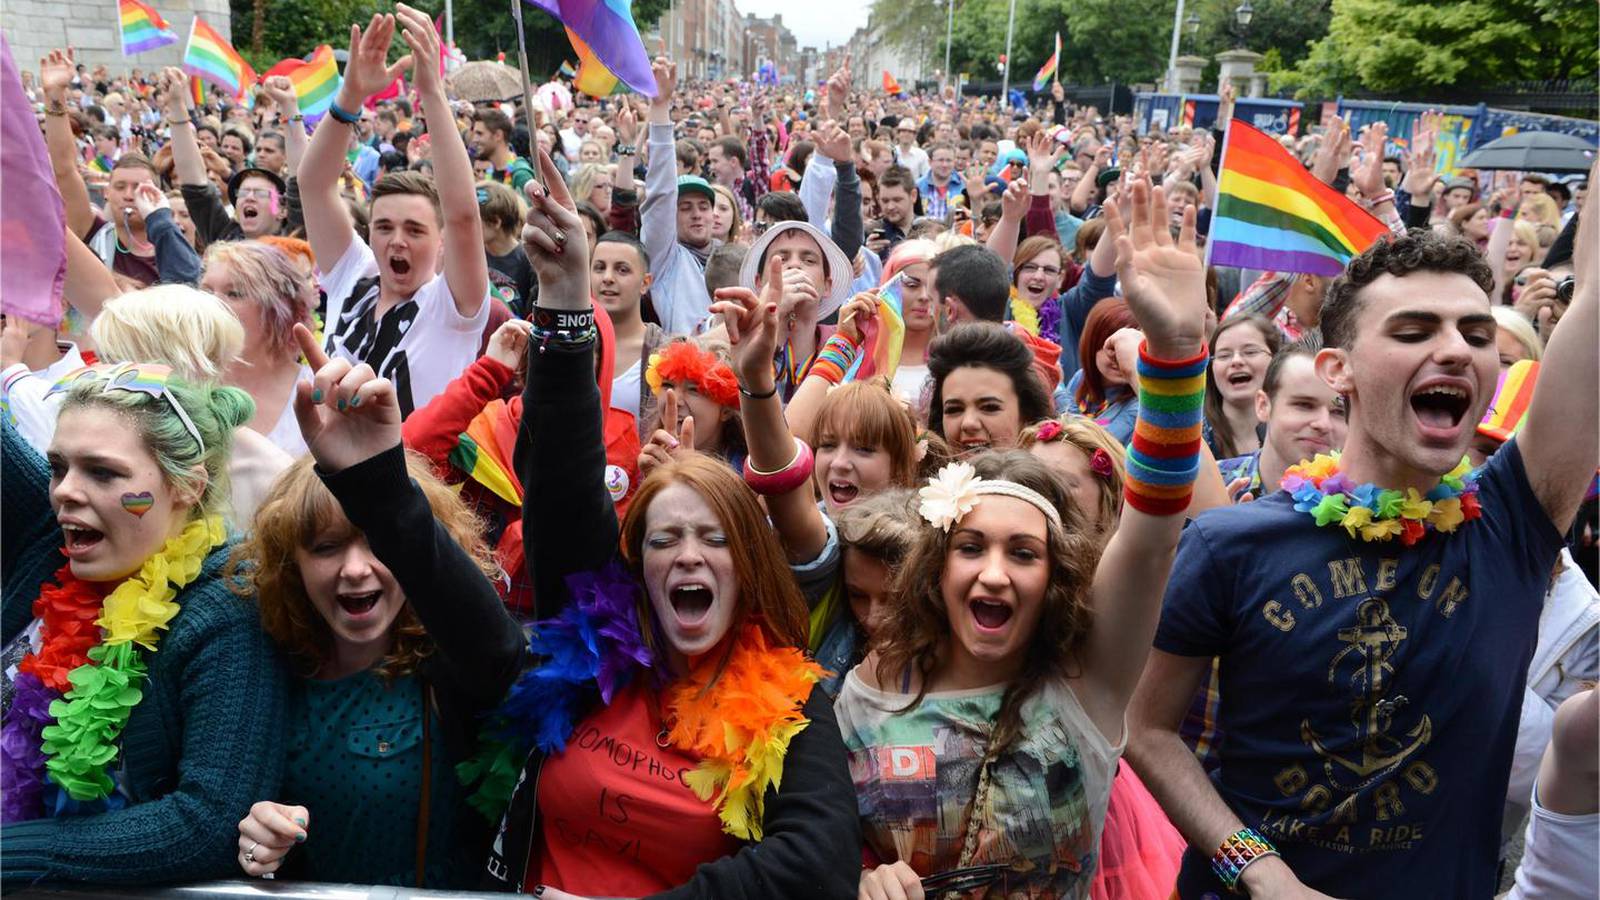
(949, 495)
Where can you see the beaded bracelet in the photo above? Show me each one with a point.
(1164, 458)
(781, 481)
(1241, 848)
(835, 359)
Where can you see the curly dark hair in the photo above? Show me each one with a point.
(986, 345)
(916, 625)
(1419, 250)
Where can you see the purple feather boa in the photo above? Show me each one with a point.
(22, 757)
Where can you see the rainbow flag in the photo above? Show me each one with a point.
(1274, 215)
(483, 453)
(1510, 403)
(315, 79)
(890, 86)
(607, 43)
(1049, 68)
(566, 70)
(883, 338)
(210, 56)
(198, 89)
(143, 28)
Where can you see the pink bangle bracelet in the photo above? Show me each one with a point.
(784, 480)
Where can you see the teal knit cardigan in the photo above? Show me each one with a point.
(203, 745)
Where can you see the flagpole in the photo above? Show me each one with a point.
(527, 89)
(1222, 167)
(1056, 75)
(449, 22)
(1005, 79)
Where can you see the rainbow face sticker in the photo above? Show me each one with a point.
(139, 503)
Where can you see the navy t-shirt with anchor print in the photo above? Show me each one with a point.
(1369, 691)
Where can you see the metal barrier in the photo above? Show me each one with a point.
(242, 890)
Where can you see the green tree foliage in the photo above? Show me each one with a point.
(1102, 40)
(1393, 46)
(482, 28)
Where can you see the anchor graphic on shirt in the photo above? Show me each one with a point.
(1376, 636)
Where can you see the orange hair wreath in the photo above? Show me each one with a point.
(682, 361)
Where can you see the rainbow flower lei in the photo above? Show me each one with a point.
(1381, 514)
(77, 690)
(740, 725)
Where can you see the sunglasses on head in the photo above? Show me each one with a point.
(137, 378)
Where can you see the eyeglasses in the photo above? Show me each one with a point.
(759, 228)
(1248, 354)
(256, 193)
(138, 378)
(1030, 268)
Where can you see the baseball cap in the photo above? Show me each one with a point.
(696, 185)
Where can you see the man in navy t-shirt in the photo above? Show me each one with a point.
(1369, 689)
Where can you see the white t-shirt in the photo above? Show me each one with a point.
(23, 396)
(908, 384)
(1558, 860)
(625, 390)
(285, 433)
(420, 345)
(915, 159)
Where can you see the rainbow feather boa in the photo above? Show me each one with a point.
(739, 725)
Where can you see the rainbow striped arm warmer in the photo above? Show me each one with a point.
(1164, 458)
(835, 359)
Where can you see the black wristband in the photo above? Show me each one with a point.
(762, 396)
(559, 321)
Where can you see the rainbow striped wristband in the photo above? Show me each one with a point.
(835, 359)
(1164, 458)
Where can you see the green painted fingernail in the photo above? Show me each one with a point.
(341, 404)
(300, 838)
(356, 400)
(316, 396)
(300, 822)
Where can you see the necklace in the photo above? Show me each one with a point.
(1372, 513)
(77, 690)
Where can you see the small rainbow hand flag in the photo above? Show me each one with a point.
(882, 338)
(1273, 214)
(1049, 67)
(315, 79)
(143, 28)
(210, 56)
(611, 57)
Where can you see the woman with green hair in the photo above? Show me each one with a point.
(143, 707)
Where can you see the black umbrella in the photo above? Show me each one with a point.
(1533, 151)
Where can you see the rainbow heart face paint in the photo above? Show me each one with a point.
(139, 503)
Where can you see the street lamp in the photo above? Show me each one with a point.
(1244, 13)
(1192, 24)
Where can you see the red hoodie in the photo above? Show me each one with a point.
(436, 431)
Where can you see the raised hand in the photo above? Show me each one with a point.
(833, 142)
(1162, 280)
(1014, 202)
(1420, 177)
(280, 90)
(627, 125)
(267, 835)
(509, 344)
(752, 324)
(1367, 175)
(839, 89)
(1333, 152)
(858, 312)
(417, 31)
(554, 240)
(55, 73)
(368, 70)
(175, 93)
(147, 198)
(347, 413)
(1043, 154)
(669, 439)
(666, 75)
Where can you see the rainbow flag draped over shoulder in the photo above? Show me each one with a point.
(210, 56)
(1273, 214)
(143, 28)
(315, 79)
(1049, 67)
(883, 338)
(610, 54)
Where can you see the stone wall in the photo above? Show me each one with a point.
(91, 27)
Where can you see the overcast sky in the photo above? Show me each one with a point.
(815, 23)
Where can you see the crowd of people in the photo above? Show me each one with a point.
(769, 491)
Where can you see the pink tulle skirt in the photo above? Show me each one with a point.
(1140, 850)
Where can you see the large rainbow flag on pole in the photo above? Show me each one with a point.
(143, 28)
(210, 56)
(315, 79)
(611, 57)
(1273, 214)
(1049, 67)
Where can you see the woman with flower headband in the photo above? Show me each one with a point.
(644, 751)
(985, 726)
(144, 709)
(697, 403)
(370, 574)
(1139, 848)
